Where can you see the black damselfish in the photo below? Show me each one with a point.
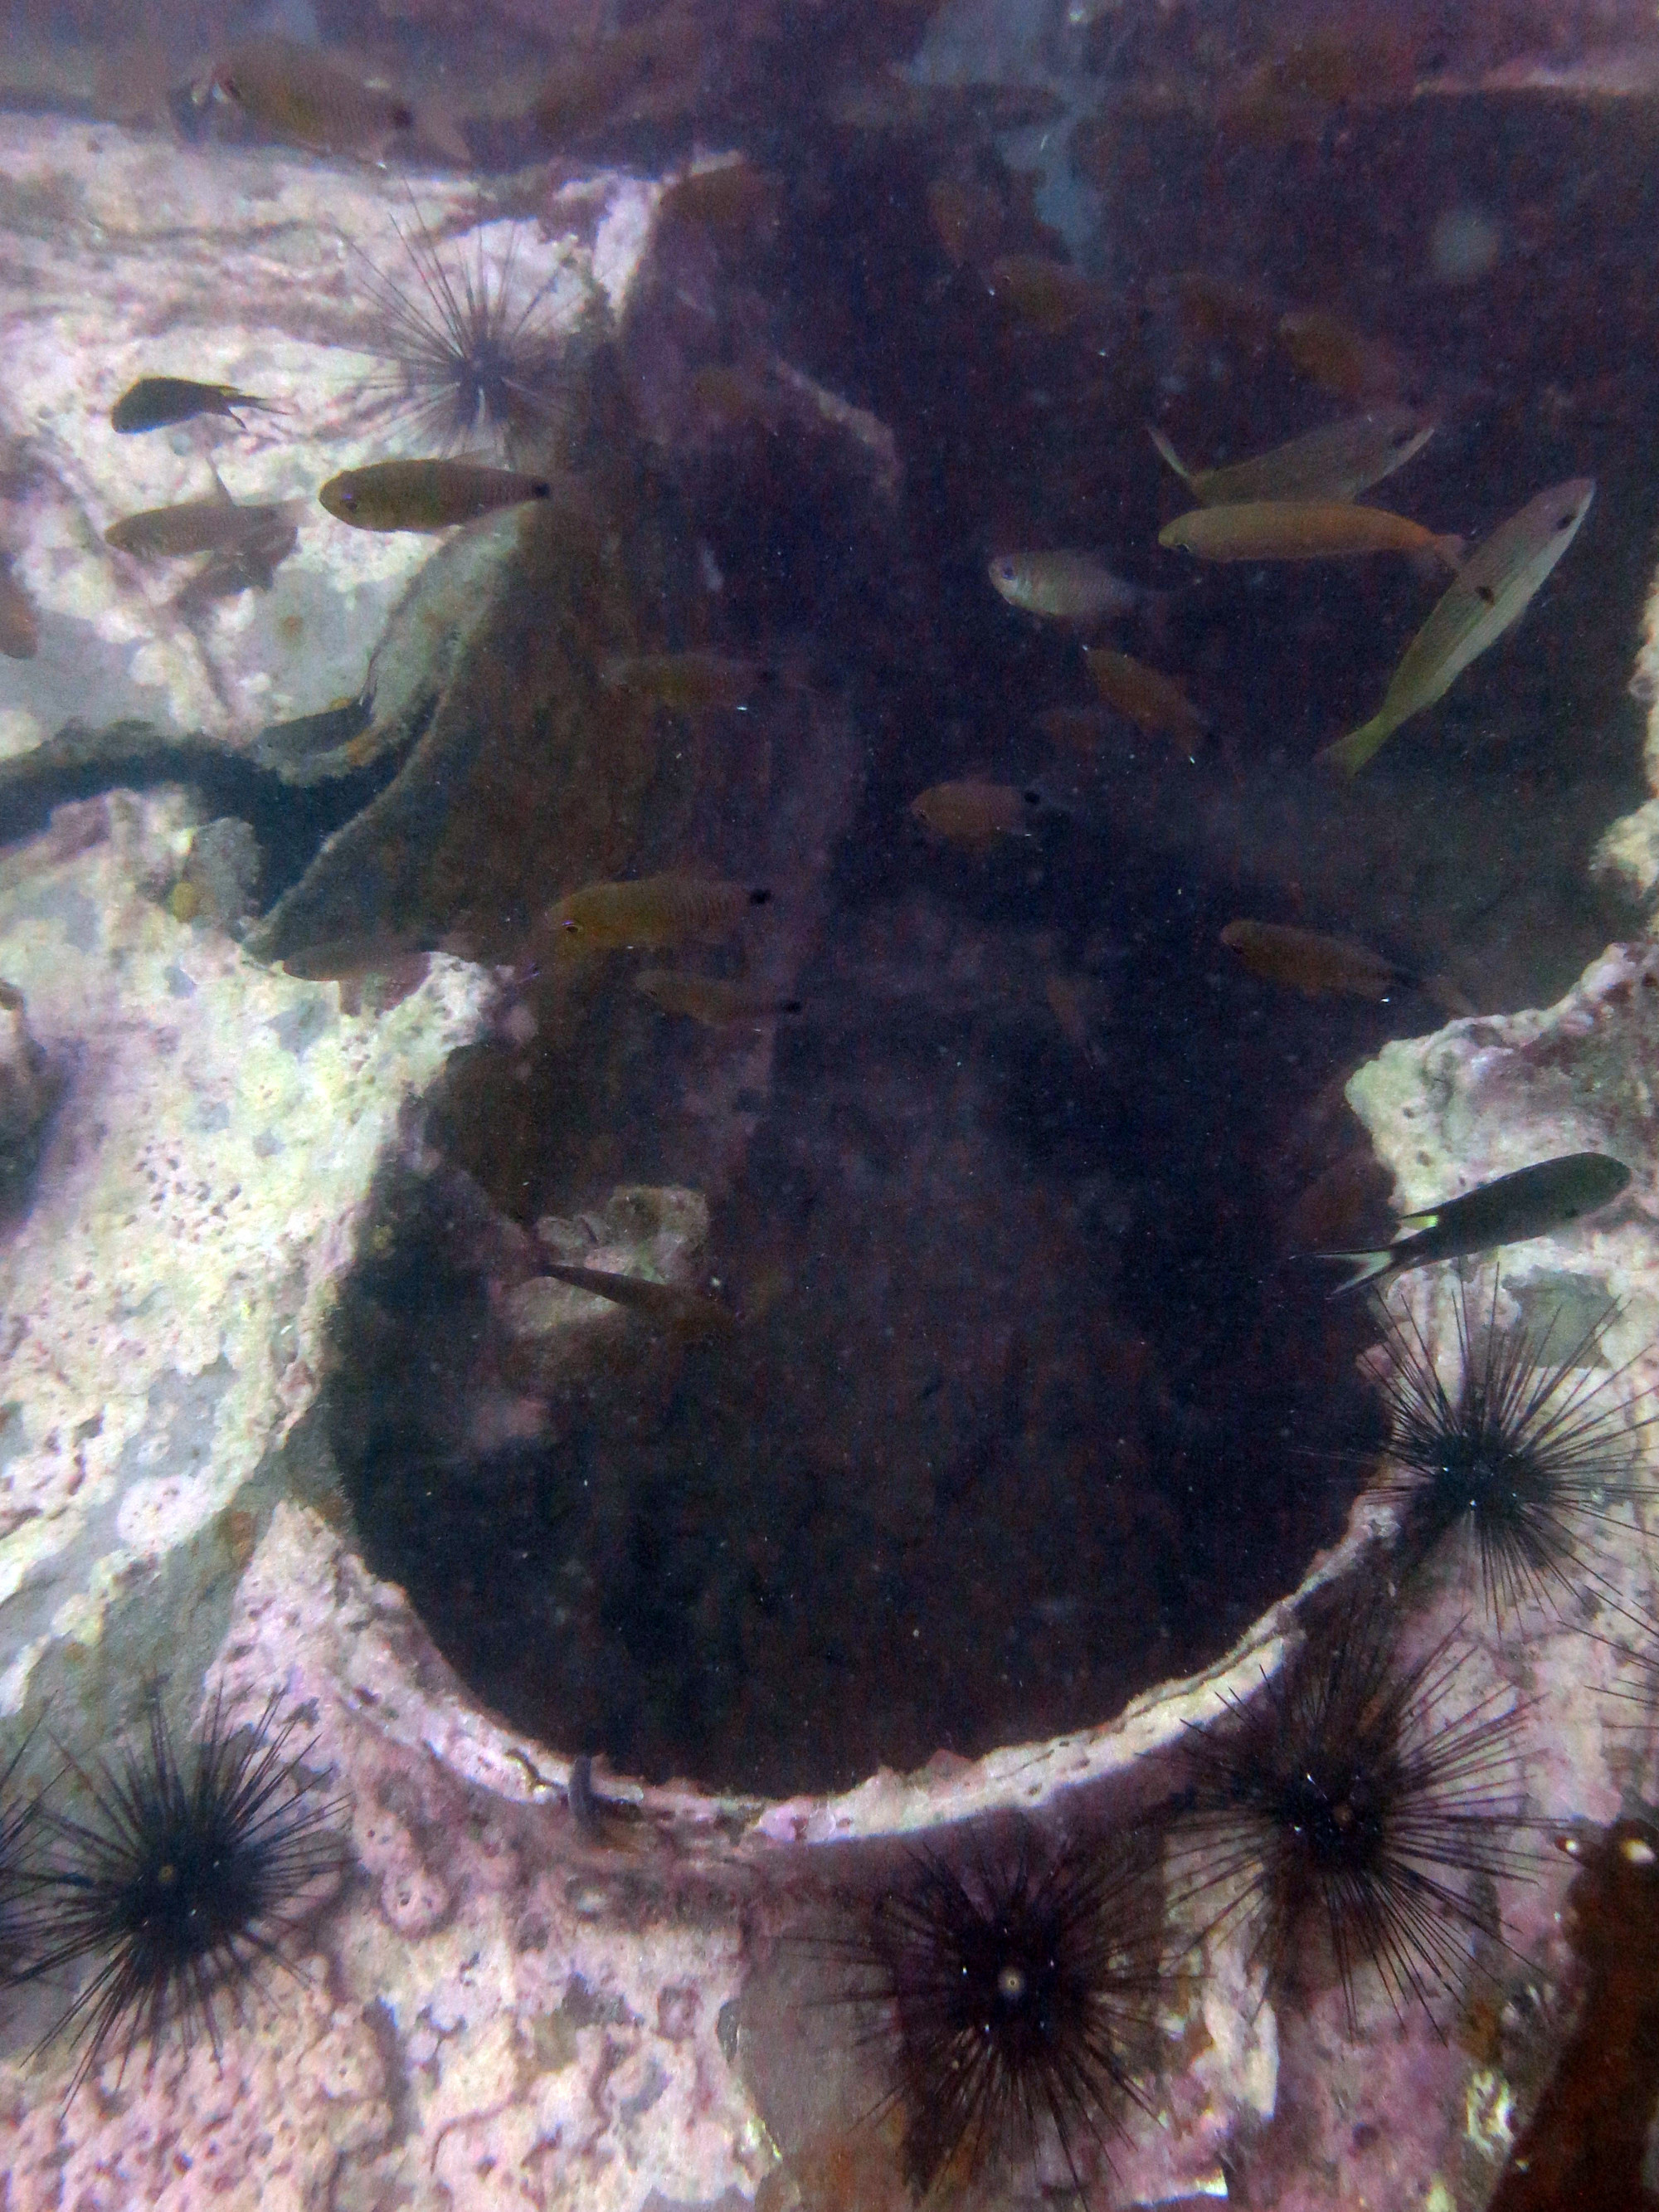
(1531, 1203)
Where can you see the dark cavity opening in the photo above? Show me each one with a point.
(1032, 1405)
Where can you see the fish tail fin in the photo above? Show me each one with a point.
(1350, 754)
(1169, 452)
(1364, 1268)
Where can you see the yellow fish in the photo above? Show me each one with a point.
(1302, 529)
(653, 910)
(1336, 462)
(975, 815)
(425, 495)
(1154, 702)
(1492, 591)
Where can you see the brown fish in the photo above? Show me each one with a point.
(1045, 295)
(1079, 729)
(975, 815)
(653, 910)
(667, 1306)
(1302, 529)
(156, 401)
(690, 683)
(731, 200)
(428, 495)
(1315, 965)
(197, 525)
(20, 625)
(716, 1001)
(1338, 357)
(1154, 702)
(295, 94)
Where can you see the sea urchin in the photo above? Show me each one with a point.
(1527, 1446)
(475, 357)
(181, 1883)
(1015, 1986)
(1354, 1806)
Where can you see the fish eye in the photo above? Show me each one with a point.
(348, 499)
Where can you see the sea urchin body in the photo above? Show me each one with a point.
(179, 1883)
(1528, 1446)
(1356, 1805)
(471, 355)
(1015, 1986)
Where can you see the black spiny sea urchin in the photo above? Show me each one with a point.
(1015, 1987)
(471, 355)
(181, 1883)
(1354, 1805)
(1512, 1462)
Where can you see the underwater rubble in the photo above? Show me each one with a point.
(346, 1186)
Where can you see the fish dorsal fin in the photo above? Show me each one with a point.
(219, 496)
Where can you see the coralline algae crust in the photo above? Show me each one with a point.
(164, 1291)
(258, 288)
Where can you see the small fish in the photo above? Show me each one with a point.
(1339, 358)
(1492, 591)
(667, 1306)
(716, 1001)
(1337, 462)
(1302, 529)
(731, 200)
(1310, 964)
(20, 625)
(250, 566)
(690, 683)
(975, 815)
(156, 401)
(426, 494)
(1154, 702)
(899, 105)
(1213, 307)
(293, 93)
(967, 217)
(1065, 587)
(1531, 1203)
(1045, 295)
(197, 525)
(654, 910)
(1078, 729)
